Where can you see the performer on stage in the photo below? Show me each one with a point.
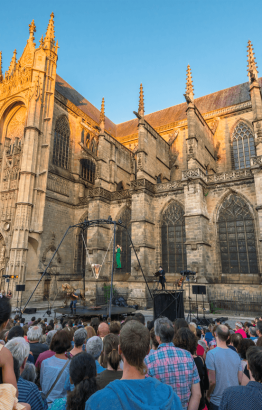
(73, 298)
(118, 256)
(162, 277)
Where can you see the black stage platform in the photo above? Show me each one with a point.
(89, 312)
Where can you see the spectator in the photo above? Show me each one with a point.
(239, 329)
(250, 396)
(80, 337)
(25, 329)
(58, 326)
(134, 391)
(95, 323)
(112, 359)
(192, 328)
(180, 323)
(32, 321)
(48, 353)
(224, 368)
(235, 339)
(252, 331)
(7, 374)
(140, 317)
(27, 391)
(29, 372)
(174, 366)
(259, 328)
(208, 335)
(103, 330)
(185, 339)
(115, 328)
(94, 346)
(34, 335)
(55, 366)
(90, 331)
(153, 342)
(242, 350)
(16, 331)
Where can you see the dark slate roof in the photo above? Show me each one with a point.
(79, 101)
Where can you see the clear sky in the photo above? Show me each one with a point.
(108, 47)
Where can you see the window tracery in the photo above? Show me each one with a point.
(88, 170)
(237, 237)
(123, 240)
(173, 236)
(61, 143)
(243, 146)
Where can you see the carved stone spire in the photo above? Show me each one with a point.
(102, 115)
(189, 85)
(252, 65)
(141, 106)
(49, 41)
(32, 30)
(12, 64)
(1, 71)
(41, 41)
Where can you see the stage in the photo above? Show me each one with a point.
(98, 311)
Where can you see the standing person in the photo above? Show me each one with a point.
(250, 396)
(73, 296)
(82, 373)
(162, 277)
(112, 359)
(118, 257)
(224, 368)
(134, 391)
(173, 366)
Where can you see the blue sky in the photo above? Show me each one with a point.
(108, 47)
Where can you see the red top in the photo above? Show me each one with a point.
(242, 332)
(42, 357)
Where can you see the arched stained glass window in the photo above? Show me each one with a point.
(61, 143)
(123, 240)
(243, 146)
(88, 170)
(173, 235)
(237, 237)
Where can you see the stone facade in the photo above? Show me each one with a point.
(185, 182)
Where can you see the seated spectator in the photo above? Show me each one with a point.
(193, 327)
(174, 366)
(115, 328)
(34, 335)
(140, 317)
(180, 323)
(224, 368)
(252, 331)
(29, 372)
(90, 332)
(94, 346)
(80, 337)
(239, 329)
(7, 374)
(31, 321)
(27, 391)
(242, 350)
(134, 391)
(48, 353)
(185, 339)
(57, 365)
(103, 330)
(82, 373)
(112, 359)
(250, 396)
(16, 331)
(58, 326)
(153, 342)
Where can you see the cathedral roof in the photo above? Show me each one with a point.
(224, 98)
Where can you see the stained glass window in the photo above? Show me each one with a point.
(122, 239)
(88, 170)
(61, 143)
(237, 237)
(173, 235)
(243, 146)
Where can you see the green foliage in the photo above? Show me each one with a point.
(106, 289)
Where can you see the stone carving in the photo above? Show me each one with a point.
(193, 173)
(20, 78)
(227, 176)
(57, 184)
(52, 248)
(168, 186)
(256, 160)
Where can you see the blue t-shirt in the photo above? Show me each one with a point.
(226, 364)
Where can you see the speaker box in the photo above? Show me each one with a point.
(30, 311)
(199, 290)
(169, 304)
(20, 288)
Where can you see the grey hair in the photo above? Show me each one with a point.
(80, 337)
(19, 348)
(253, 330)
(94, 346)
(34, 333)
(49, 337)
(29, 372)
(164, 329)
(58, 326)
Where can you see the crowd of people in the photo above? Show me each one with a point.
(75, 365)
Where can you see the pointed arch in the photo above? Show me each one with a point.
(80, 250)
(173, 238)
(236, 236)
(61, 142)
(122, 239)
(243, 144)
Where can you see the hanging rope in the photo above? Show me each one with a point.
(96, 275)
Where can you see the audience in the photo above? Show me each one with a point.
(47, 353)
(242, 350)
(115, 328)
(94, 346)
(174, 366)
(34, 335)
(90, 332)
(239, 329)
(80, 338)
(134, 391)
(103, 330)
(112, 359)
(224, 368)
(29, 372)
